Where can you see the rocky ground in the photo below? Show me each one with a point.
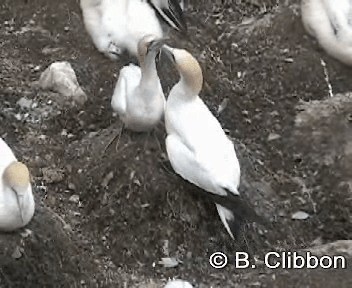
(105, 218)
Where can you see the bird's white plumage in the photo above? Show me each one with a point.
(178, 284)
(330, 22)
(118, 25)
(10, 215)
(197, 146)
(138, 97)
(128, 81)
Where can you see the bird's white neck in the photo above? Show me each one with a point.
(148, 69)
(182, 92)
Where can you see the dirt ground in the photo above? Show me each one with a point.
(106, 218)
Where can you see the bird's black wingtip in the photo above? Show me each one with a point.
(243, 210)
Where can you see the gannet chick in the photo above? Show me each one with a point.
(197, 146)
(118, 25)
(138, 96)
(330, 22)
(16, 198)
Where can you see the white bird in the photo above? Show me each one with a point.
(138, 96)
(178, 284)
(16, 198)
(197, 146)
(118, 25)
(330, 22)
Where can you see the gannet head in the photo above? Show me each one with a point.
(16, 176)
(149, 44)
(187, 66)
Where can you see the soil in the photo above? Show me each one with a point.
(106, 217)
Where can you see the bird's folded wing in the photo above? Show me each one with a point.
(171, 12)
(118, 101)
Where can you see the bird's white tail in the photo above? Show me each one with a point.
(226, 217)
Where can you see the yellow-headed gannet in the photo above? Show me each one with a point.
(138, 96)
(330, 22)
(197, 146)
(16, 198)
(118, 25)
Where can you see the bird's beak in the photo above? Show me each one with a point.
(157, 44)
(169, 52)
(20, 206)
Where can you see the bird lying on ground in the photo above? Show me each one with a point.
(330, 22)
(138, 96)
(118, 25)
(16, 198)
(198, 148)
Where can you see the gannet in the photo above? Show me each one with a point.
(118, 25)
(330, 22)
(16, 198)
(138, 96)
(198, 148)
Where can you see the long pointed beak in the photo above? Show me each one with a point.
(157, 44)
(20, 206)
(168, 51)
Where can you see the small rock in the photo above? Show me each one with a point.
(74, 199)
(51, 200)
(178, 284)
(61, 78)
(273, 136)
(48, 50)
(169, 262)
(107, 179)
(64, 132)
(26, 233)
(25, 103)
(300, 215)
(17, 253)
(222, 106)
(92, 134)
(71, 186)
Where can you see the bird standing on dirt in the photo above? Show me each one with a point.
(197, 146)
(118, 25)
(330, 22)
(16, 198)
(138, 96)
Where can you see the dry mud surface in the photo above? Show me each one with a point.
(105, 219)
